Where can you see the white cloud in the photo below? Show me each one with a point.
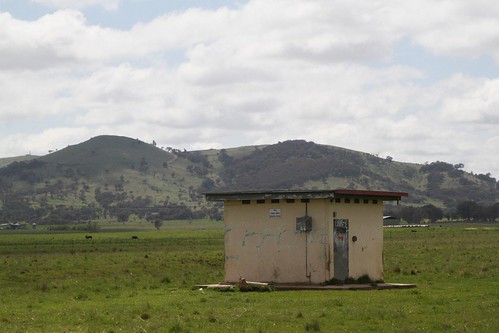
(479, 103)
(27, 95)
(79, 4)
(457, 28)
(53, 40)
(64, 38)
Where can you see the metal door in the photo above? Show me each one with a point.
(340, 247)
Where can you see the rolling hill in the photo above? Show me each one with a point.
(120, 177)
(7, 160)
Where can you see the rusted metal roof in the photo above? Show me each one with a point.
(304, 194)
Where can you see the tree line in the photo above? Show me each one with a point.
(18, 208)
(469, 211)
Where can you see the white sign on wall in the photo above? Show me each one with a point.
(275, 212)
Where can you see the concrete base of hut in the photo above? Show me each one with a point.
(288, 287)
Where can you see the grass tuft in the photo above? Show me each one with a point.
(212, 318)
(313, 326)
(166, 280)
(82, 297)
(176, 328)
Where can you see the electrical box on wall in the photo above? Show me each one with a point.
(304, 223)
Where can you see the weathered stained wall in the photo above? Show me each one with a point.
(264, 248)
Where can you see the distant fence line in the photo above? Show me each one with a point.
(406, 226)
(444, 224)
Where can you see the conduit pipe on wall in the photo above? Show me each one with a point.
(307, 273)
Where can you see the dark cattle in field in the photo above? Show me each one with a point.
(135, 237)
(88, 237)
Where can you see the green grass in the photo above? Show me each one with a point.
(62, 282)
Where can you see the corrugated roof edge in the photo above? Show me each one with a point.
(303, 194)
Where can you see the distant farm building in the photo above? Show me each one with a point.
(303, 236)
(391, 220)
(12, 226)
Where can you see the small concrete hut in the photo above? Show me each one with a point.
(309, 236)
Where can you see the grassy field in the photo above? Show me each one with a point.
(62, 282)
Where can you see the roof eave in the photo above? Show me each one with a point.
(304, 194)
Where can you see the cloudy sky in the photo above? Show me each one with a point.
(417, 80)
